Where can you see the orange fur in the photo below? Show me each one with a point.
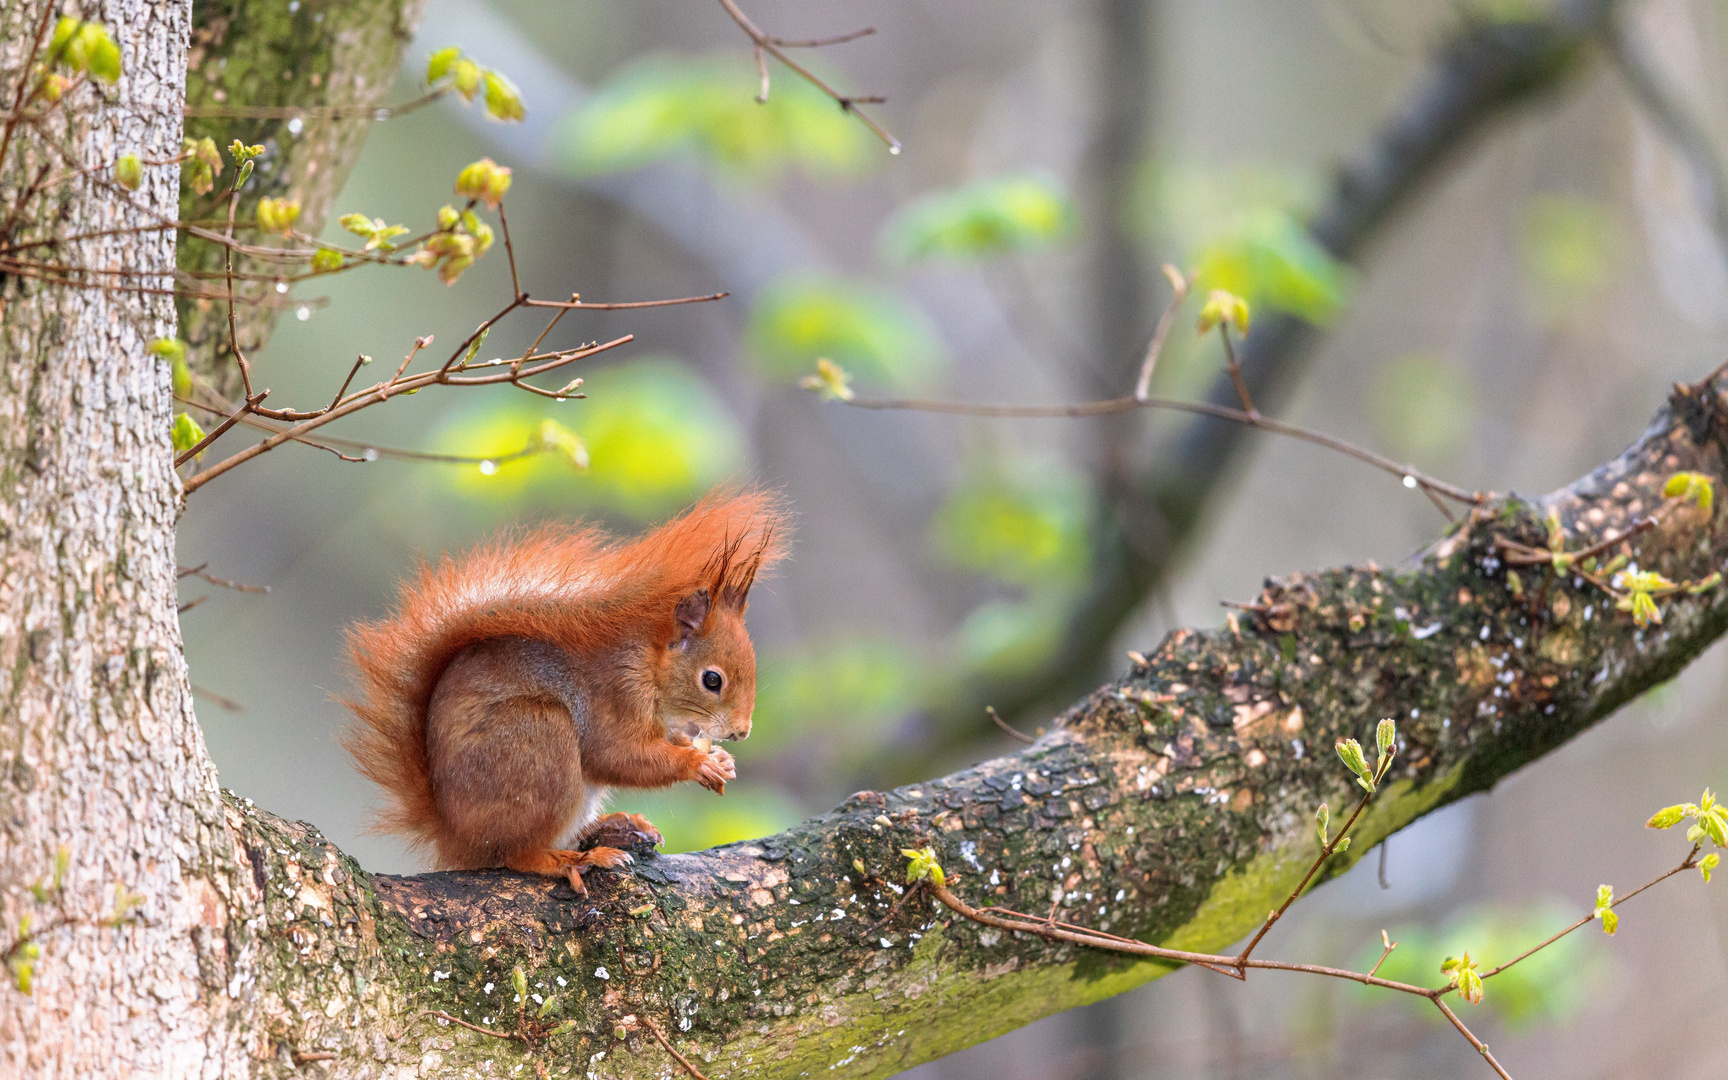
(613, 610)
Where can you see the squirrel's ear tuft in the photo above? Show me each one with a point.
(691, 613)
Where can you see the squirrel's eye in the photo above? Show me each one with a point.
(712, 680)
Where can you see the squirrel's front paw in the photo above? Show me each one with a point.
(714, 769)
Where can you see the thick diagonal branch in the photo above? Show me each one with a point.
(1173, 807)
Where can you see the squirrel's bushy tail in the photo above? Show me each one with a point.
(570, 585)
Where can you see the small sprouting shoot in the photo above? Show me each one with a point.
(1322, 817)
(86, 48)
(203, 163)
(245, 157)
(455, 68)
(1693, 487)
(1223, 308)
(173, 350)
(485, 180)
(277, 215)
(377, 234)
(831, 381)
(186, 433)
(1641, 587)
(555, 438)
(128, 171)
(1465, 979)
(1605, 909)
(921, 863)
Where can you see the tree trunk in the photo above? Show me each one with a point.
(100, 754)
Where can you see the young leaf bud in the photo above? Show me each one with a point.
(1707, 864)
(1350, 753)
(503, 100)
(465, 74)
(186, 433)
(1321, 817)
(129, 172)
(438, 65)
(1666, 818)
(326, 261)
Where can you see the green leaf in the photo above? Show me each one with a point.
(1029, 525)
(984, 218)
(1267, 257)
(1666, 818)
(706, 106)
(326, 260)
(186, 432)
(870, 333)
(128, 172)
(503, 100)
(438, 65)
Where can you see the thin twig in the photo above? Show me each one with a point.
(1688, 863)
(682, 1060)
(1003, 724)
(1179, 292)
(1199, 408)
(227, 703)
(386, 390)
(221, 429)
(442, 1015)
(220, 582)
(772, 46)
(1325, 853)
(317, 112)
(583, 305)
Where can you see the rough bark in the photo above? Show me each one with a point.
(1174, 806)
(99, 749)
(315, 54)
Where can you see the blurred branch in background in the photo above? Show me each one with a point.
(1682, 127)
(1488, 67)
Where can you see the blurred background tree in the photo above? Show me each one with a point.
(1506, 319)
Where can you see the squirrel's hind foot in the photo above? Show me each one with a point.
(620, 830)
(569, 865)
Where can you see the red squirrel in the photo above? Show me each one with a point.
(514, 686)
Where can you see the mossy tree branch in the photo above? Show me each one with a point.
(1174, 806)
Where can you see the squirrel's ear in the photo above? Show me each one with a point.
(691, 613)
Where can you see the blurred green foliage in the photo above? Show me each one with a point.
(1569, 248)
(1550, 986)
(1422, 405)
(984, 218)
(870, 332)
(692, 819)
(1005, 638)
(1029, 525)
(656, 434)
(666, 105)
(1241, 230)
(847, 685)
